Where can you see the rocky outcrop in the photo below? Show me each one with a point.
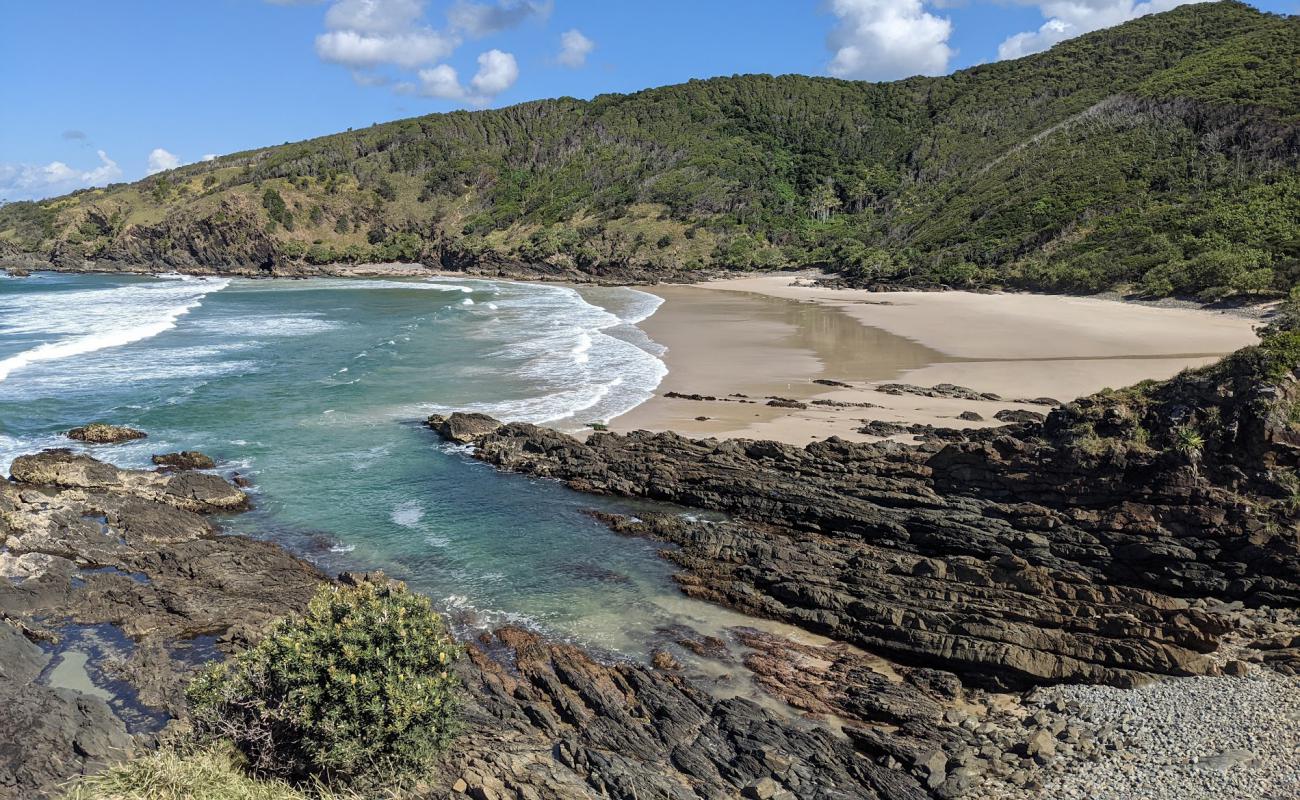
(102, 433)
(185, 459)
(90, 547)
(560, 724)
(125, 571)
(461, 427)
(1109, 543)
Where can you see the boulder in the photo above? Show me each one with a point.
(102, 433)
(185, 459)
(463, 428)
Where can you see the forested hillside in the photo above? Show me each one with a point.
(1161, 155)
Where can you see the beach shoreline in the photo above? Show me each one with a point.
(823, 353)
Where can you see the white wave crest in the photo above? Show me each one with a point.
(97, 319)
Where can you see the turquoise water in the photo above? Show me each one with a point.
(315, 390)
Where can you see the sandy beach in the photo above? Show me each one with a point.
(773, 336)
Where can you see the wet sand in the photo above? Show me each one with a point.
(764, 337)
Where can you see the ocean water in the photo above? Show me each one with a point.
(316, 390)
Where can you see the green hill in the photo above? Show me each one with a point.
(1162, 154)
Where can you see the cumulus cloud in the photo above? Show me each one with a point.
(574, 48)
(441, 81)
(209, 157)
(364, 34)
(364, 50)
(160, 160)
(1069, 18)
(481, 19)
(887, 39)
(497, 71)
(31, 182)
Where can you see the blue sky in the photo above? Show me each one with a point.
(95, 91)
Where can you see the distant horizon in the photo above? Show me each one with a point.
(239, 75)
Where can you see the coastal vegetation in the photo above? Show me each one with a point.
(1158, 156)
(358, 691)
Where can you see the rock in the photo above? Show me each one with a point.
(764, 789)
(101, 433)
(934, 767)
(186, 459)
(785, 402)
(829, 382)
(1041, 746)
(971, 416)
(463, 428)
(662, 659)
(162, 584)
(882, 428)
(1017, 415)
(946, 390)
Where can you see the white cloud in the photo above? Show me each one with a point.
(374, 16)
(441, 81)
(1069, 18)
(209, 157)
(497, 71)
(31, 182)
(574, 48)
(364, 34)
(358, 49)
(481, 19)
(160, 160)
(887, 39)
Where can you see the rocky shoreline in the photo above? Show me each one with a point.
(119, 585)
(1130, 536)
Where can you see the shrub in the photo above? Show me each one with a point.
(357, 691)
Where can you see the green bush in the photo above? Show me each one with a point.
(358, 691)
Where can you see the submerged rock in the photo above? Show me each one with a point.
(102, 433)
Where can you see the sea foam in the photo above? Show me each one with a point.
(96, 319)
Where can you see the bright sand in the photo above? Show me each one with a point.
(773, 335)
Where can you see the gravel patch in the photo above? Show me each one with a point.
(1178, 739)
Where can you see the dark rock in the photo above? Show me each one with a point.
(786, 402)
(971, 416)
(186, 459)
(946, 390)
(1018, 415)
(101, 433)
(828, 382)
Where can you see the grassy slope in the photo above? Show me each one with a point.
(1161, 153)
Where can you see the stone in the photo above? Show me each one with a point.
(186, 459)
(463, 428)
(762, 789)
(102, 433)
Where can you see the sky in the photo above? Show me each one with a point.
(95, 92)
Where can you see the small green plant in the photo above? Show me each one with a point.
(357, 691)
(598, 426)
(1188, 441)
